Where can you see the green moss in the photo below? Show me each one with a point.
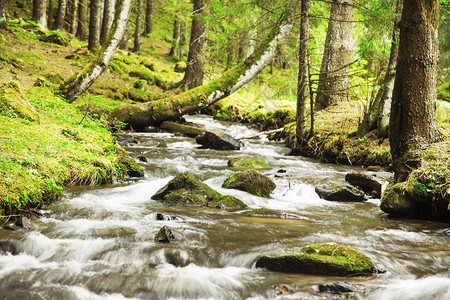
(420, 189)
(248, 162)
(250, 181)
(13, 103)
(264, 212)
(56, 37)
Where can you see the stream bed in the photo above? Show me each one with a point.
(98, 243)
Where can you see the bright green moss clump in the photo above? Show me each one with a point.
(248, 162)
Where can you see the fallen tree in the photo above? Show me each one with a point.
(155, 112)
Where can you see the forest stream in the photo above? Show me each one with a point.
(98, 243)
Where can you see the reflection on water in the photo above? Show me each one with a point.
(98, 243)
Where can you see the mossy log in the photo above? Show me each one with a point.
(190, 131)
(155, 112)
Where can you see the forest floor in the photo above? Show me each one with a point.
(74, 144)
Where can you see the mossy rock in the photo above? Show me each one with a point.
(14, 104)
(271, 213)
(320, 259)
(185, 190)
(250, 181)
(56, 37)
(180, 67)
(248, 162)
(164, 235)
(132, 168)
(149, 65)
(395, 201)
(339, 191)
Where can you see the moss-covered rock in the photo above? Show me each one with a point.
(13, 103)
(180, 67)
(132, 168)
(248, 162)
(186, 130)
(164, 235)
(320, 259)
(186, 190)
(250, 181)
(395, 201)
(55, 37)
(271, 213)
(339, 191)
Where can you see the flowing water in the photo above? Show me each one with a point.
(98, 242)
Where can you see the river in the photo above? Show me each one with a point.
(98, 242)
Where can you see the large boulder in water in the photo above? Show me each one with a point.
(219, 140)
(370, 182)
(339, 191)
(185, 190)
(320, 259)
(250, 181)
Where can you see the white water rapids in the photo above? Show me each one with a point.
(98, 242)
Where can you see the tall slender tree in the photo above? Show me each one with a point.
(412, 122)
(82, 20)
(137, 30)
(334, 78)
(40, 13)
(94, 24)
(148, 26)
(72, 13)
(108, 18)
(302, 87)
(3, 12)
(195, 63)
(60, 15)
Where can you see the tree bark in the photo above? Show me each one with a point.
(3, 12)
(334, 78)
(124, 41)
(377, 115)
(148, 27)
(82, 20)
(80, 82)
(108, 18)
(94, 24)
(175, 48)
(302, 87)
(152, 113)
(50, 14)
(40, 13)
(60, 15)
(137, 30)
(72, 13)
(193, 77)
(412, 122)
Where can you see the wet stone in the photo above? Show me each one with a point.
(162, 217)
(339, 191)
(338, 288)
(164, 235)
(7, 247)
(25, 223)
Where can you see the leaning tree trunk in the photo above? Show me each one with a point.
(60, 15)
(193, 77)
(40, 13)
(94, 24)
(80, 82)
(137, 30)
(334, 77)
(302, 88)
(148, 26)
(108, 18)
(412, 122)
(377, 115)
(152, 113)
(3, 12)
(82, 20)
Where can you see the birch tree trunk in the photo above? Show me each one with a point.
(155, 112)
(108, 18)
(137, 30)
(413, 114)
(60, 15)
(80, 82)
(302, 87)
(3, 12)
(334, 78)
(176, 37)
(193, 77)
(94, 24)
(40, 13)
(82, 20)
(148, 27)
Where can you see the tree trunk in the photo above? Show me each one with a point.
(148, 27)
(194, 70)
(124, 41)
(50, 14)
(412, 122)
(72, 16)
(3, 12)
(82, 20)
(60, 15)
(40, 13)
(94, 24)
(152, 113)
(175, 49)
(302, 87)
(108, 18)
(334, 78)
(80, 82)
(377, 115)
(137, 30)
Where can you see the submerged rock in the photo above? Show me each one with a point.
(164, 235)
(271, 213)
(161, 217)
(7, 247)
(338, 288)
(185, 190)
(219, 140)
(250, 181)
(338, 191)
(248, 162)
(320, 259)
